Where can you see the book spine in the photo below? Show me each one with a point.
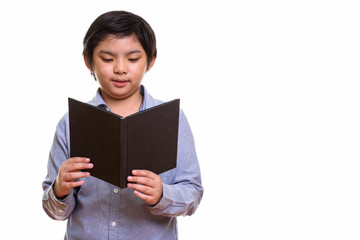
(123, 154)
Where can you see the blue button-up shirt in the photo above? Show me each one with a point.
(99, 210)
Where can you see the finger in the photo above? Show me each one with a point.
(143, 196)
(149, 199)
(74, 167)
(72, 176)
(70, 185)
(78, 160)
(141, 188)
(62, 189)
(142, 180)
(144, 173)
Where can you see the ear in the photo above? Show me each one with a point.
(87, 65)
(152, 62)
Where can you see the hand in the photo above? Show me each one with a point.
(147, 186)
(68, 173)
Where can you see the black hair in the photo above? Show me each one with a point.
(119, 24)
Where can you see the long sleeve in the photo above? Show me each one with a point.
(54, 207)
(100, 210)
(182, 193)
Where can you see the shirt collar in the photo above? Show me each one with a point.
(99, 101)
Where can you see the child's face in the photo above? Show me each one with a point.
(119, 65)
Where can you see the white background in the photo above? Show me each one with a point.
(271, 90)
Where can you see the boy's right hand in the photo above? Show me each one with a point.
(68, 174)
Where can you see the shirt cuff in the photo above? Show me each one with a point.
(163, 203)
(55, 205)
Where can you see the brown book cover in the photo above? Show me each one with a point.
(116, 146)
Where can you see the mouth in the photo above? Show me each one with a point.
(120, 82)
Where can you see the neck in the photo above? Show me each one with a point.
(124, 107)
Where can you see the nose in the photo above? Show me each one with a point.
(120, 67)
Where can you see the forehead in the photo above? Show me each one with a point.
(119, 44)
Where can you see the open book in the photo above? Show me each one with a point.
(116, 146)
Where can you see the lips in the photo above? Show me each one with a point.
(120, 82)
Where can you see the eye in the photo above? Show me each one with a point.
(106, 59)
(133, 59)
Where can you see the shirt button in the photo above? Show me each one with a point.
(113, 224)
(116, 190)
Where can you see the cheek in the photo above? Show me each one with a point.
(138, 72)
(102, 71)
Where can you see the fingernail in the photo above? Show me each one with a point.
(130, 178)
(90, 165)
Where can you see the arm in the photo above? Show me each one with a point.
(182, 193)
(59, 197)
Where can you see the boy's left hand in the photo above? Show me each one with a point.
(147, 186)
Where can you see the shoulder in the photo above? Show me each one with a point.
(63, 122)
(62, 128)
(150, 101)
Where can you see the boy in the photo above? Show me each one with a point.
(119, 48)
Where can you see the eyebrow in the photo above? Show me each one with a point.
(114, 54)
